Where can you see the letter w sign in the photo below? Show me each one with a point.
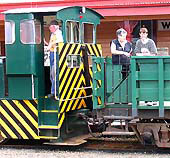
(163, 25)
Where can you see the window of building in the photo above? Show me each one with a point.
(73, 61)
(73, 32)
(9, 32)
(88, 30)
(30, 32)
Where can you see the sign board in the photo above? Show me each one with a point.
(163, 25)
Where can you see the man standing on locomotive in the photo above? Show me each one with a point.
(55, 38)
(121, 50)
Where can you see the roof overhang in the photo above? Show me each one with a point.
(135, 11)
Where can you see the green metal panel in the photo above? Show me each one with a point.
(20, 56)
(117, 89)
(75, 14)
(98, 76)
(2, 86)
(48, 110)
(25, 63)
(150, 82)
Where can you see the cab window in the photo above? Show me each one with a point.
(73, 32)
(9, 32)
(88, 30)
(30, 32)
(73, 61)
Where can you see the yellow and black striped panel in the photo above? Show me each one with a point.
(71, 80)
(19, 119)
(95, 50)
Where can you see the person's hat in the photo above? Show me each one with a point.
(53, 22)
(121, 32)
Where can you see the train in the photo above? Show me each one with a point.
(94, 98)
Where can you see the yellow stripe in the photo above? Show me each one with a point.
(19, 130)
(78, 86)
(100, 49)
(10, 132)
(61, 120)
(49, 111)
(18, 104)
(99, 100)
(48, 127)
(76, 102)
(63, 54)
(34, 110)
(66, 77)
(20, 118)
(82, 103)
(97, 54)
(46, 137)
(91, 51)
(36, 101)
(3, 135)
(62, 70)
(66, 88)
(63, 81)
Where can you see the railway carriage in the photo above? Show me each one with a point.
(93, 95)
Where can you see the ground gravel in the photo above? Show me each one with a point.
(59, 153)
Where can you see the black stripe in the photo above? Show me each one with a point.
(77, 97)
(7, 122)
(33, 103)
(5, 132)
(62, 77)
(68, 89)
(93, 50)
(64, 59)
(72, 93)
(10, 126)
(60, 117)
(62, 50)
(18, 121)
(29, 110)
(97, 49)
(24, 117)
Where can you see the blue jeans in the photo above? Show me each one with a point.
(52, 75)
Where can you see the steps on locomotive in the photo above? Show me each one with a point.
(116, 121)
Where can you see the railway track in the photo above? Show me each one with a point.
(116, 144)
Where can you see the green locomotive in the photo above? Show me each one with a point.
(93, 94)
(26, 110)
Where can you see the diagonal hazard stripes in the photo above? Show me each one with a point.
(19, 119)
(70, 79)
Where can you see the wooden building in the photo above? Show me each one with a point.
(129, 14)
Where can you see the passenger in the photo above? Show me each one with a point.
(145, 46)
(55, 38)
(121, 50)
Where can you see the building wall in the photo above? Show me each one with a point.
(106, 31)
(163, 39)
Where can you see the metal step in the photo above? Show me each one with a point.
(47, 127)
(71, 141)
(115, 133)
(118, 117)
